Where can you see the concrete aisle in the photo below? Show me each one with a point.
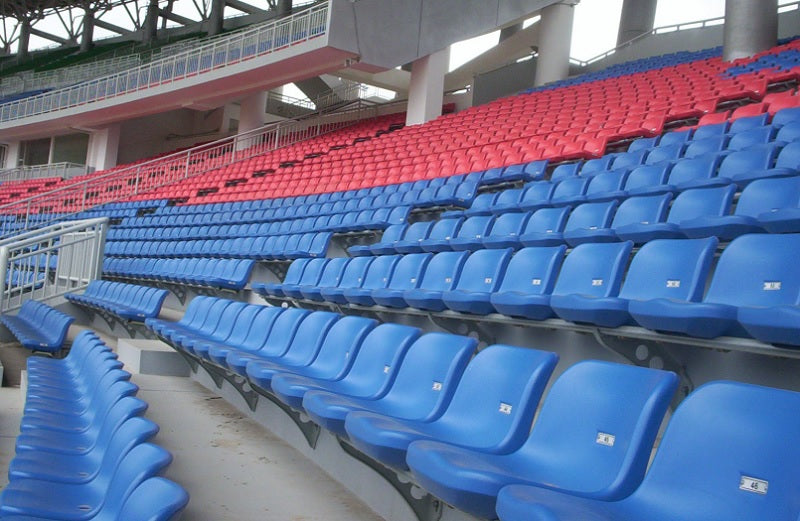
(233, 468)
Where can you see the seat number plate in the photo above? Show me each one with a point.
(603, 438)
(758, 486)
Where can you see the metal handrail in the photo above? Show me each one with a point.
(228, 50)
(698, 24)
(50, 262)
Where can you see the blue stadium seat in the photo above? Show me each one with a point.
(630, 159)
(784, 214)
(415, 233)
(326, 353)
(507, 201)
(710, 131)
(752, 137)
(587, 216)
(565, 171)
(709, 470)
(370, 376)
(648, 180)
(311, 288)
(421, 391)
(689, 205)
(273, 339)
(481, 276)
(664, 154)
(506, 230)
(756, 198)
(606, 186)
(378, 274)
(38, 326)
(441, 274)
(745, 166)
(469, 236)
(491, 418)
(676, 137)
(352, 277)
(516, 297)
(442, 231)
(311, 275)
(239, 332)
(754, 271)
(482, 205)
(569, 192)
(293, 276)
(705, 146)
(582, 442)
(407, 275)
(537, 195)
(594, 167)
(670, 269)
(634, 210)
(545, 226)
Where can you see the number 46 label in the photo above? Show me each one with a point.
(759, 486)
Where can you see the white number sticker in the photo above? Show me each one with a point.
(536, 282)
(437, 386)
(597, 282)
(487, 280)
(758, 486)
(673, 284)
(772, 286)
(505, 408)
(386, 369)
(603, 438)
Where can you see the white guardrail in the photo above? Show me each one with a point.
(63, 170)
(49, 262)
(221, 52)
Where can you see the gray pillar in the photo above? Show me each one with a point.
(216, 18)
(555, 38)
(150, 26)
(751, 26)
(426, 90)
(637, 17)
(24, 39)
(87, 35)
(284, 7)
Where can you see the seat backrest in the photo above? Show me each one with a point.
(670, 268)
(308, 338)
(341, 346)
(354, 272)
(379, 358)
(331, 274)
(227, 321)
(484, 201)
(664, 153)
(767, 195)
(705, 146)
(509, 224)
(547, 220)
(154, 499)
(380, 271)
(475, 227)
(606, 182)
(744, 161)
(751, 137)
(393, 233)
(494, 403)
(591, 216)
(312, 271)
(789, 156)
(701, 202)
(443, 271)
(212, 319)
(570, 187)
(428, 376)
(601, 164)
(593, 269)
(539, 191)
(723, 471)
(508, 197)
(283, 324)
(685, 170)
(642, 210)
(671, 138)
(408, 271)
(629, 159)
(646, 176)
(565, 171)
(789, 132)
(483, 271)
(445, 229)
(418, 231)
(598, 443)
(757, 270)
(244, 321)
(538, 265)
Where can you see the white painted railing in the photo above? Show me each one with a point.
(51, 261)
(222, 52)
(64, 170)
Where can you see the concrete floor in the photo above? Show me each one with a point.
(233, 469)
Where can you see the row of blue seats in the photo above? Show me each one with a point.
(230, 274)
(127, 301)
(38, 326)
(663, 290)
(83, 451)
(275, 247)
(767, 205)
(417, 402)
(348, 222)
(740, 168)
(297, 221)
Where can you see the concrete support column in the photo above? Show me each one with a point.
(426, 89)
(103, 148)
(555, 38)
(284, 7)
(751, 26)
(637, 17)
(150, 25)
(252, 112)
(87, 35)
(13, 150)
(216, 17)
